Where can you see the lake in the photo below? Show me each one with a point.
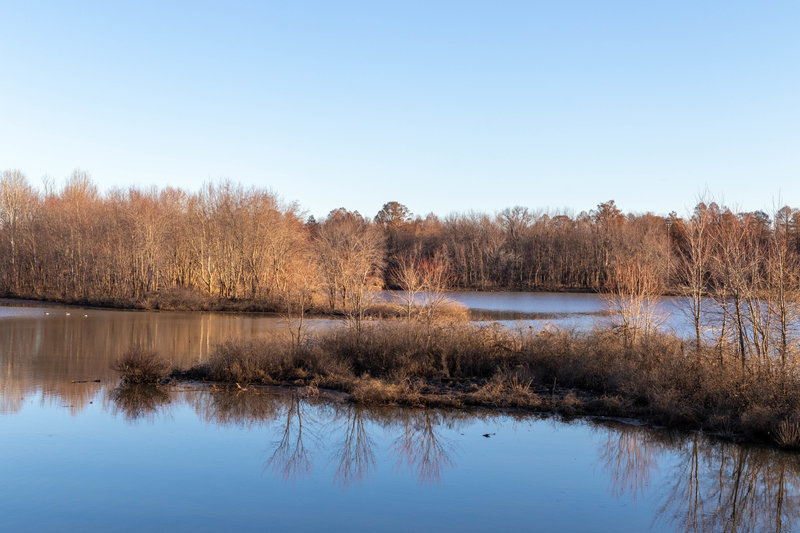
(580, 311)
(86, 454)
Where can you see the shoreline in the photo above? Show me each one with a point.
(386, 310)
(553, 407)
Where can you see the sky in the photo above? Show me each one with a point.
(442, 106)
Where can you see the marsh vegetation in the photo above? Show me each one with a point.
(658, 379)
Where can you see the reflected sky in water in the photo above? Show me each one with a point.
(580, 311)
(86, 455)
(193, 458)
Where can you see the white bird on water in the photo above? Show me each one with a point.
(67, 314)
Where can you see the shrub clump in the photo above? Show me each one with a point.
(256, 361)
(140, 365)
(507, 390)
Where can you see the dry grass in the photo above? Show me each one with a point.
(268, 360)
(788, 434)
(400, 349)
(450, 312)
(250, 361)
(140, 365)
(371, 391)
(506, 391)
(662, 380)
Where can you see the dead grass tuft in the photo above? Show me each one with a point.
(506, 390)
(140, 365)
(787, 434)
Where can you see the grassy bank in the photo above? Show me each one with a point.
(659, 380)
(188, 301)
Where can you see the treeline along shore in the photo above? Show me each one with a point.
(225, 243)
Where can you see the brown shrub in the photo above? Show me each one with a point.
(140, 365)
(506, 390)
(396, 349)
(176, 298)
(787, 433)
(376, 391)
(253, 361)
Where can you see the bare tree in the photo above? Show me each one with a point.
(406, 274)
(299, 281)
(350, 252)
(694, 264)
(436, 280)
(16, 201)
(424, 284)
(636, 283)
(784, 277)
(515, 222)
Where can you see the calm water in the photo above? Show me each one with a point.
(92, 455)
(572, 311)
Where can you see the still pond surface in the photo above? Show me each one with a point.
(85, 454)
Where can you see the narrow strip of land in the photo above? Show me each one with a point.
(660, 378)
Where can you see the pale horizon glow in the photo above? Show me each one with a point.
(447, 106)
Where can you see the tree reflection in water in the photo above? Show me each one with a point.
(714, 486)
(356, 451)
(291, 458)
(419, 448)
(138, 401)
(708, 485)
(247, 409)
(629, 454)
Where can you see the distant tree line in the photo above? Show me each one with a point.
(234, 243)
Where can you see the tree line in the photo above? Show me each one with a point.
(234, 243)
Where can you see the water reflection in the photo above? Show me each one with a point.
(355, 452)
(248, 409)
(631, 456)
(290, 458)
(689, 483)
(712, 485)
(420, 449)
(45, 351)
(138, 401)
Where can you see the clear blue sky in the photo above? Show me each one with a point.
(442, 106)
